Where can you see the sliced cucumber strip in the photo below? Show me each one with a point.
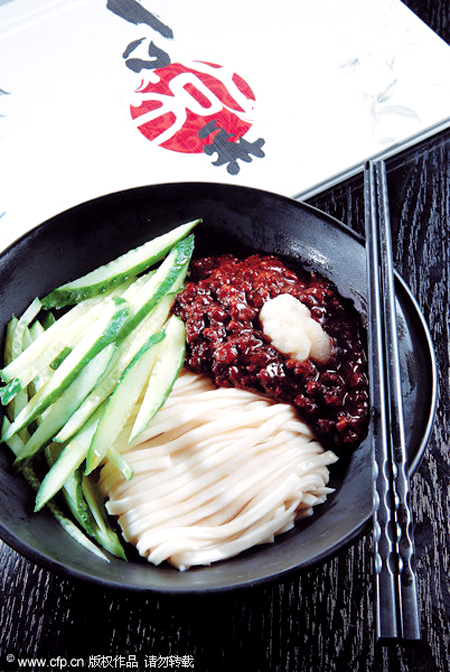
(101, 334)
(70, 459)
(10, 390)
(52, 341)
(60, 358)
(7, 357)
(16, 444)
(87, 509)
(120, 462)
(16, 341)
(104, 534)
(74, 496)
(20, 338)
(65, 522)
(121, 402)
(76, 534)
(172, 272)
(23, 323)
(87, 379)
(48, 320)
(170, 358)
(73, 491)
(60, 335)
(126, 351)
(7, 349)
(115, 272)
(36, 330)
(66, 404)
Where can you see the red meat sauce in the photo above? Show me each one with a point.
(220, 307)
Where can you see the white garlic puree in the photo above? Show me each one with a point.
(292, 330)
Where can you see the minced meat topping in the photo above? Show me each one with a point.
(221, 306)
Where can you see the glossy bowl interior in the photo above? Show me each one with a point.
(235, 218)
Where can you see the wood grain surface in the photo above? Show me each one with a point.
(321, 619)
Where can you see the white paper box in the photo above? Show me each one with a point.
(332, 84)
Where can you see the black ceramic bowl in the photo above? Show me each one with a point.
(80, 239)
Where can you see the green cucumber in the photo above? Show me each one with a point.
(48, 320)
(7, 349)
(60, 336)
(29, 474)
(66, 523)
(72, 455)
(76, 534)
(87, 509)
(23, 323)
(108, 381)
(120, 462)
(36, 330)
(130, 264)
(152, 315)
(57, 338)
(103, 532)
(170, 359)
(66, 404)
(101, 334)
(172, 272)
(53, 340)
(15, 443)
(10, 390)
(38, 381)
(7, 357)
(60, 358)
(121, 402)
(73, 494)
(72, 490)
(16, 332)
(20, 339)
(83, 376)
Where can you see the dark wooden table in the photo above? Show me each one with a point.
(321, 619)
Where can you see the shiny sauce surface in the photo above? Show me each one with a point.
(220, 307)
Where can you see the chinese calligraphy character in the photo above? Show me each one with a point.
(134, 12)
(230, 152)
(158, 57)
(195, 107)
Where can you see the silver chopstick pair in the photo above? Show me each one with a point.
(397, 613)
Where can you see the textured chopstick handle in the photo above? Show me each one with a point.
(384, 534)
(409, 612)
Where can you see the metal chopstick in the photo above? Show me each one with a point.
(397, 613)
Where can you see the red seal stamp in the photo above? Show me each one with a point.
(177, 101)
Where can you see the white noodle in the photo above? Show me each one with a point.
(217, 471)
